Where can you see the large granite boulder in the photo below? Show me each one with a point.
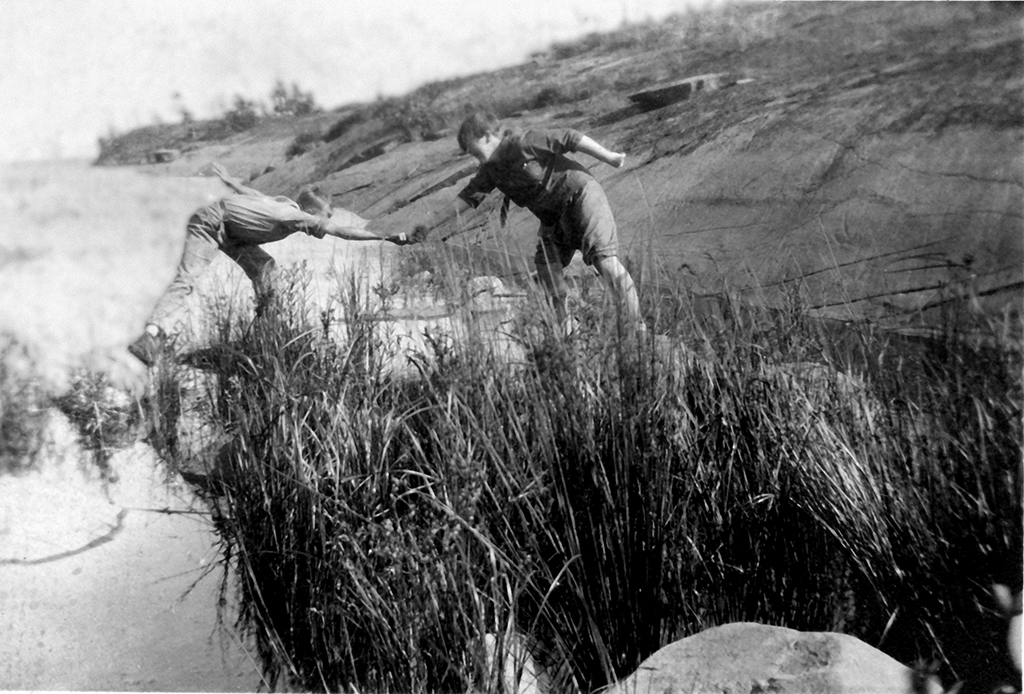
(748, 658)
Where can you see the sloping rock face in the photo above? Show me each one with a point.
(872, 169)
(875, 178)
(748, 658)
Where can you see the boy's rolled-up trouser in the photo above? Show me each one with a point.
(205, 236)
(586, 224)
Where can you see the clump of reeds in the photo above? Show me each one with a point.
(106, 418)
(608, 496)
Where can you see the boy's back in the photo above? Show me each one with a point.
(263, 219)
(532, 169)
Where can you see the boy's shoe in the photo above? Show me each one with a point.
(147, 348)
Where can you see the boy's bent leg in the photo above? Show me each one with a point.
(617, 278)
(599, 235)
(260, 268)
(550, 272)
(200, 249)
(591, 217)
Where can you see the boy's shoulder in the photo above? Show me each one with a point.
(524, 141)
(511, 145)
(527, 134)
(548, 139)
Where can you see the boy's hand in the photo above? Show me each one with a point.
(418, 235)
(617, 159)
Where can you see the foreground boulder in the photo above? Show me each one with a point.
(748, 658)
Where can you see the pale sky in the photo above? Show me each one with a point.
(74, 70)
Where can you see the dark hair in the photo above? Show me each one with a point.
(314, 200)
(476, 126)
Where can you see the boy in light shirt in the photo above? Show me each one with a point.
(237, 225)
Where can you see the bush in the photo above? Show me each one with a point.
(105, 417)
(548, 96)
(293, 103)
(302, 143)
(410, 114)
(243, 115)
(343, 125)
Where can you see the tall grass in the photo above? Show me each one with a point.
(609, 496)
(106, 419)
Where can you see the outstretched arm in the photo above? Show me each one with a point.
(593, 149)
(233, 182)
(349, 233)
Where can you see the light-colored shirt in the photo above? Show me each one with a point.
(256, 219)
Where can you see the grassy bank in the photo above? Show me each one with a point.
(606, 497)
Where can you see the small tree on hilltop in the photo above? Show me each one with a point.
(243, 115)
(292, 103)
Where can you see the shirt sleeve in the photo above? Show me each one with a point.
(541, 143)
(478, 188)
(287, 212)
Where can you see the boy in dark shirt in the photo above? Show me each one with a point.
(531, 168)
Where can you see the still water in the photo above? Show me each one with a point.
(110, 588)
